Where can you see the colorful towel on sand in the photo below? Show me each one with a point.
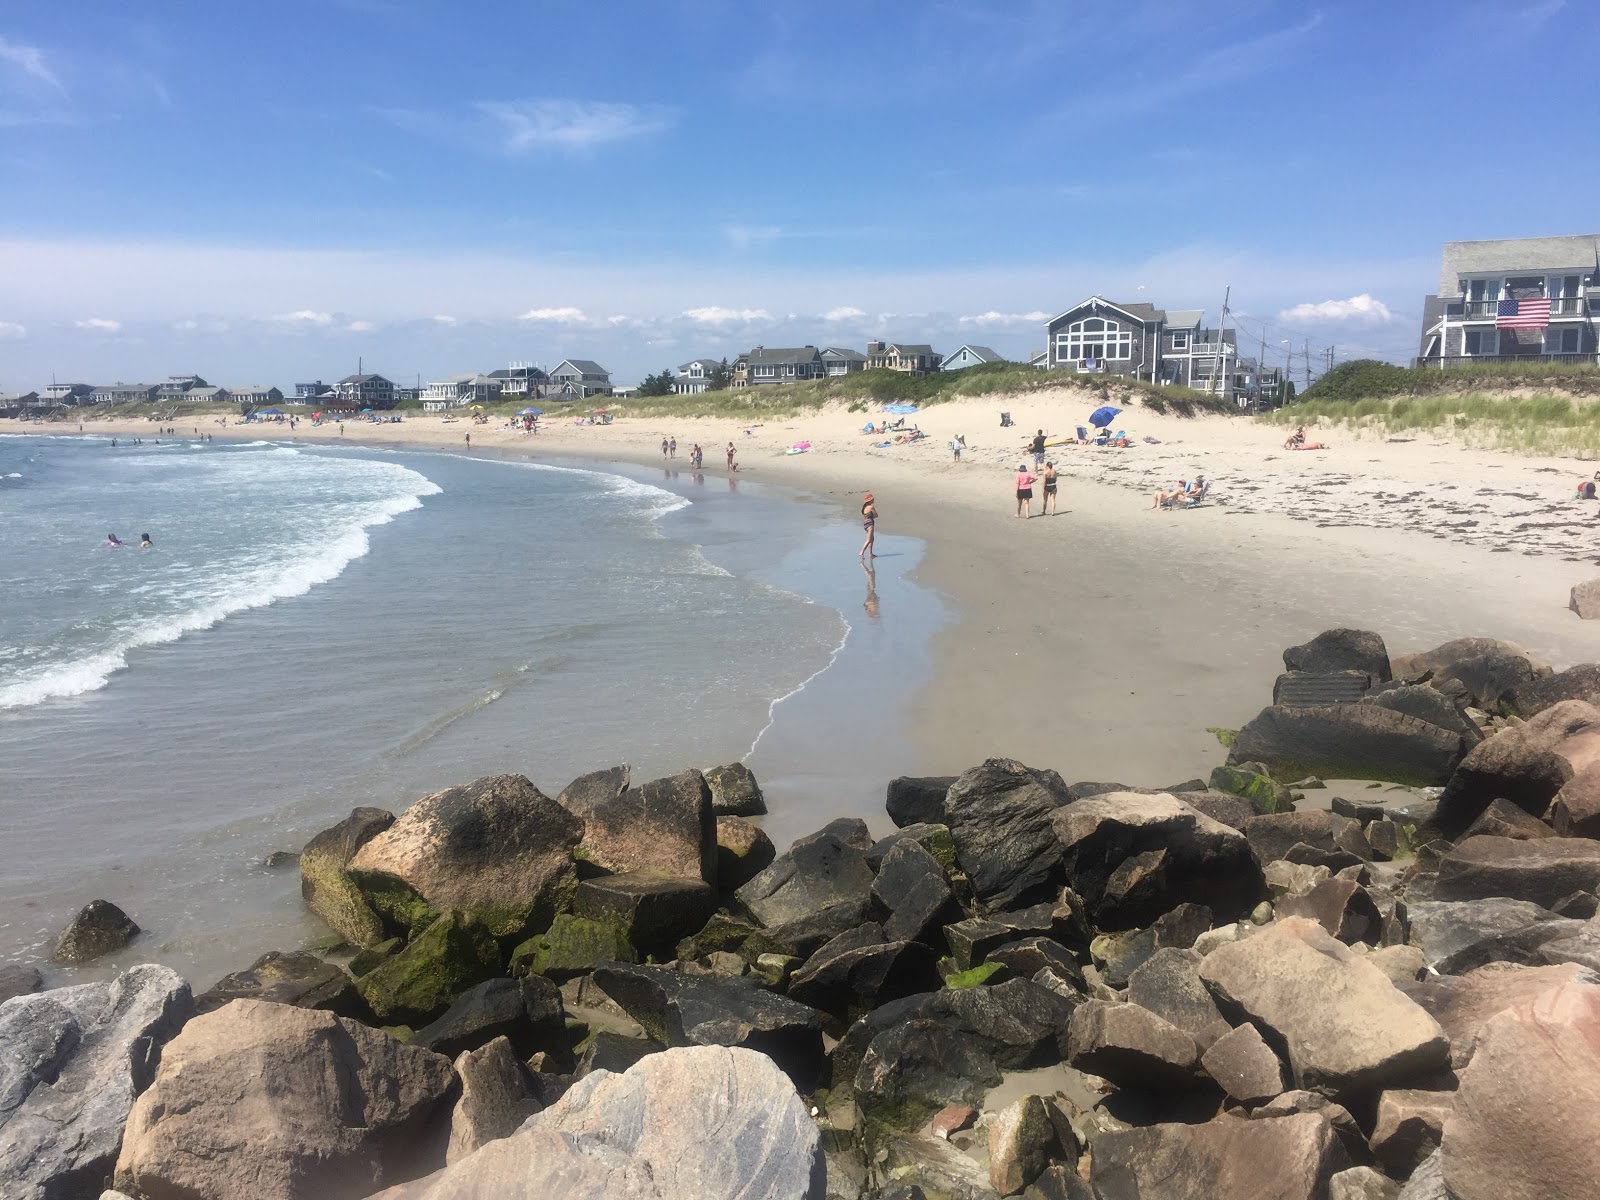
(900, 410)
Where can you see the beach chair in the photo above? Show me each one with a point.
(1083, 435)
(1191, 501)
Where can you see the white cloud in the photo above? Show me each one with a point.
(10, 331)
(360, 327)
(30, 61)
(445, 319)
(100, 325)
(1000, 320)
(527, 125)
(306, 316)
(843, 313)
(715, 315)
(556, 316)
(1360, 309)
(745, 236)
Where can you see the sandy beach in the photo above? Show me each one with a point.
(1113, 634)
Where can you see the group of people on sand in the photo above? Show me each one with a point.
(113, 542)
(1297, 441)
(1186, 495)
(1048, 478)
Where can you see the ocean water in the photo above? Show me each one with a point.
(321, 628)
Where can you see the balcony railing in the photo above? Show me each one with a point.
(1444, 361)
(1564, 306)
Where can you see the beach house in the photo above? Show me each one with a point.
(969, 356)
(1514, 300)
(838, 362)
(68, 393)
(696, 376)
(458, 391)
(207, 395)
(125, 393)
(256, 396)
(310, 391)
(580, 377)
(177, 387)
(739, 372)
(364, 391)
(1140, 341)
(784, 365)
(520, 379)
(910, 358)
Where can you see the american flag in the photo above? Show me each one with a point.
(1522, 314)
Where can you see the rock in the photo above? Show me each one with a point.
(100, 928)
(1409, 1126)
(453, 954)
(653, 911)
(1580, 683)
(1132, 858)
(1302, 689)
(326, 888)
(665, 826)
(818, 872)
(296, 978)
(1245, 1067)
(935, 839)
(1000, 817)
(1526, 764)
(1350, 741)
(803, 936)
(1575, 811)
(1287, 1158)
(915, 801)
(1543, 871)
(1169, 985)
(1362, 1183)
(1272, 836)
(914, 893)
(941, 1171)
(364, 961)
(1059, 1182)
(1341, 650)
(301, 1103)
(528, 1012)
(1485, 666)
(735, 792)
(972, 941)
(1585, 599)
(1020, 1024)
(1132, 1047)
(1427, 1182)
(1025, 1137)
(71, 1062)
(716, 1010)
(1118, 955)
(1504, 819)
(1264, 795)
(1026, 958)
(1428, 704)
(608, 1051)
(572, 946)
(498, 848)
(1464, 1004)
(1501, 1140)
(1452, 932)
(952, 1118)
(495, 1098)
(1346, 1028)
(1340, 906)
(1402, 964)
(858, 971)
(914, 1068)
(278, 860)
(743, 851)
(18, 980)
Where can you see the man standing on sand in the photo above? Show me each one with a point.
(1037, 446)
(469, 441)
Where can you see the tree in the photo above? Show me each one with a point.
(658, 385)
(720, 375)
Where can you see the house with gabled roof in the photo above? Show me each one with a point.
(457, 391)
(838, 362)
(125, 393)
(910, 358)
(177, 387)
(255, 395)
(364, 391)
(791, 365)
(580, 377)
(521, 380)
(1141, 341)
(969, 356)
(207, 395)
(696, 376)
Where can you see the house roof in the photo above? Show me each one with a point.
(516, 373)
(840, 352)
(908, 348)
(704, 362)
(1185, 318)
(780, 357)
(254, 387)
(583, 366)
(209, 391)
(364, 379)
(1140, 312)
(1575, 253)
(981, 353)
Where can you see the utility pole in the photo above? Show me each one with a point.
(1307, 348)
(1261, 364)
(1222, 359)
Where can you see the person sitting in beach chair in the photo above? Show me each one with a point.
(1193, 494)
(1005, 420)
(1296, 439)
(1083, 435)
(1120, 440)
(1102, 438)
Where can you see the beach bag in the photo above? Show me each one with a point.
(1586, 490)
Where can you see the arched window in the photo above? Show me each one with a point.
(1094, 338)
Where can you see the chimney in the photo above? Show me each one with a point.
(874, 347)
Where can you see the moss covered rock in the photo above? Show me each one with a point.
(454, 953)
(571, 946)
(1264, 795)
(328, 889)
(989, 972)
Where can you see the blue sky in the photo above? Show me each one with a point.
(263, 193)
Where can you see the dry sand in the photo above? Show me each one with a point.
(1104, 641)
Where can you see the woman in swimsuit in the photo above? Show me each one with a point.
(1025, 482)
(869, 522)
(1049, 505)
(113, 542)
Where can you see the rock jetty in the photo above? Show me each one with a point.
(1360, 960)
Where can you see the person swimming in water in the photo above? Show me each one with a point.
(145, 543)
(113, 542)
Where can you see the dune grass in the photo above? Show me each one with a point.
(1545, 424)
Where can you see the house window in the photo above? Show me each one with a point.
(1561, 341)
(1180, 340)
(1094, 338)
(1482, 341)
(1479, 290)
(1562, 287)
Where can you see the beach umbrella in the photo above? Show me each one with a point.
(269, 412)
(531, 412)
(366, 410)
(1103, 416)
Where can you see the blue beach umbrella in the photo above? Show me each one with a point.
(269, 412)
(531, 412)
(1103, 416)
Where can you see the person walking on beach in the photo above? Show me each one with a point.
(341, 428)
(869, 522)
(731, 467)
(1025, 482)
(1037, 446)
(1048, 505)
(469, 441)
(673, 448)
(663, 447)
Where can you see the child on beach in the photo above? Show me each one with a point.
(1025, 482)
(731, 467)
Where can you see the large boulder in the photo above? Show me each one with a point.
(1349, 741)
(1284, 1158)
(1000, 816)
(665, 826)
(1464, 1004)
(1132, 1047)
(295, 977)
(1454, 932)
(71, 1062)
(914, 893)
(1543, 871)
(1341, 650)
(1581, 682)
(859, 970)
(1169, 985)
(326, 887)
(818, 872)
(913, 1068)
(1575, 811)
(98, 929)
(498, 848)
(496, 1098)
(572, 946)
(735, 792)
(653, 911)
(1245, 1067)
(1025, 1137)
(1273, 835)
(1132, 858)
(687, 1124)
(1409, 1125)
(453, 954)
(678, 1009)
(1526, 764)
(743, 851)
(1484, 668)
(302, 1104)
(917, 800)
(1504, 1139)
(528, 1012)
(1428, 704)
(1345, 1026)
